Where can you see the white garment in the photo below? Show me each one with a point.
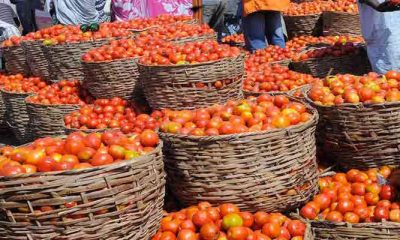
(10, 30)
(381, 32)
(75, 12)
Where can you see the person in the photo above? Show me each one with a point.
(380, 25)
(213, 14)
(262, 23)
(125, 10)
(8, 15)
(7, 30)
(26, 14)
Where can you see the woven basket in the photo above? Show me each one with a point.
(174, 86)
(269, 170)
(48, 120)
(15, 60)
(195, 39)
(304, 25)
(3, 119)
(291, 93)
(36, 60)
(360, 136)
(117, 78)
(87, 131)
(123, 200)
(356, 64)
(65, 59)
(17, 115)
(341, 23)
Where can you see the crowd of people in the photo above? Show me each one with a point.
(262, 21)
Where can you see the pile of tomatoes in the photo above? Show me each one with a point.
(354, 197)
(112, 113)
(275, 78)
(63, 92)
(250, 115)
(347, 88)
(235, 38)
(162, 20)
(317, 7)
(11, 42)
(20, 84)
(227, 222)
(270, 54)
(179, 31)
(337, 50)
(124, 48)
(77, 151)
(190, 53)
(298, 43)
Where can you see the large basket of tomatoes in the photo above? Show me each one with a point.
(341, 23)
(359, 120)
(227, 221)
(111, 70)
(96, 186)
(298, 25)
(14, 92)
(14, 55)
(354, 205)
(258, 153)
(48, 107)
(339, 58)
(174, 78)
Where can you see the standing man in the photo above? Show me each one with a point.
(213, 14)
(26, 14)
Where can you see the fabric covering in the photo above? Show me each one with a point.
(251, 6)
(75, 12)
(381, 32)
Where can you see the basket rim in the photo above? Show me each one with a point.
(47, 105)
(341, 13)
(303, 15)
(113, 60)
(122, 163)
(76, 43)
(195, 64)
(10, 48)
(278, 92)
(16, 93)
(190, 37)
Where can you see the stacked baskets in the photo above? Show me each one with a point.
(15, 60)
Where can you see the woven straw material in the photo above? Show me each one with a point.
(15, 60)
(36, 60)
(341, 23)
(304, 25)
(270, 170)
(65, 59)
(356, 64)
(117, 78)
(87, 131)
(17, 115)
(174, 86)
(123, 200)
(3, 120)
(291, 93)
(48, 120)
(360, 136)
(195, 39)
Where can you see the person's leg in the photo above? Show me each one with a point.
(254, 31)
(213, 14)
(25, 16)
(274, 29)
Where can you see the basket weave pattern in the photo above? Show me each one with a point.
(65, 59)
(17, 115)
(15, 60)
(341, 23)
(3, 120)
(36, 60)
(195, 38)
(119, 201)
(304, 25)
(117, 78)
(175, 86)
(48, 120)
(256, 171)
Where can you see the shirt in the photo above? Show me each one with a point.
(7, 14)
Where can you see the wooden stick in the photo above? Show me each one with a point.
(198, 10)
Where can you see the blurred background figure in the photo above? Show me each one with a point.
(8, 15)
(26, 14)
(7, 30)
(213, 14)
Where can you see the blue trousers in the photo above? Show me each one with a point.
(263, 28)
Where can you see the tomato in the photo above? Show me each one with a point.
(228, 208)
(12, 169)
(100, 159)
(86, 153)
(167, 236)
(171, 226)
(187, 234)
(381, 213)
(323, 200)
(334, 216)
(248, 219)
(35, 156)
(149, 138)
(388, 192)
(187, 224)
(394, 215)
(362, 212)
(232, 220)
(351, 217)
(73, 146)
(371, 199)
(345, 206)
(63, 166)
(272, 230)
(308, 212)
(281, 121)
(46, 165)
(29, 168)
(200, 218)
(358, 189)
(73, 160)
(209, 231)
(214, 214)
(296, 228)
(237, 233)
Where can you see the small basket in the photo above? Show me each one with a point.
(356, 64)
(117, 78)
(123, 200)
(272, 170)
(65, 59)
(48, 120)
(175, 86)
(17, 115)
(360, 136)
(15, 60)
(341, 23)
(36, 60)
(304, 25)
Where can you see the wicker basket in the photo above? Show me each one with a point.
(17, 115)
(117, 78)
(291, 93)
(304, 25)
(36, 60)
(123, 200)
(48, 120)
(341, 23)
(195, 39)
(356, 64)
(87, 131)
(175, 86)
(15, 60)
(360, 136)
(65, 59)
(3, 119)
(270, 170)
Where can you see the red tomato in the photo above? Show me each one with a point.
(272, 230)
(296, 228)
(100, 159)
(209, 231)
